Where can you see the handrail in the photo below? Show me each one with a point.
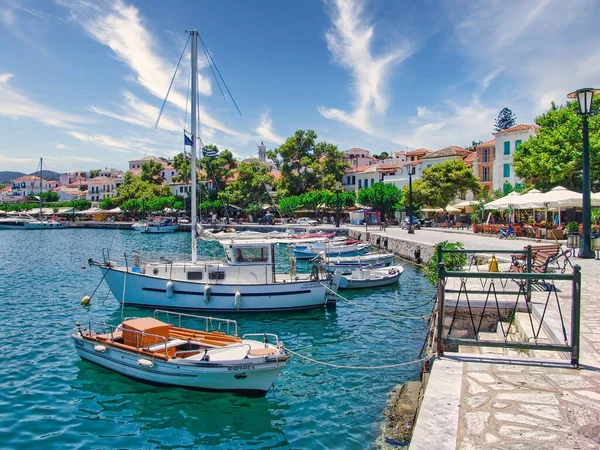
(208, 320)
(264, 335)
(114, 329)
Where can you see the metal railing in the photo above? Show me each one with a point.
(524, 280)
(209, 321)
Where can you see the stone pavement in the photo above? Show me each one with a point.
(479, 401)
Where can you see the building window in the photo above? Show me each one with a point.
(359, 184)
(486, 174)
(486, 155)
(507, 148)
(372, 181)
(517, 143)
(506, 170)
(353, 180)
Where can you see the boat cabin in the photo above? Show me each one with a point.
(249, 252)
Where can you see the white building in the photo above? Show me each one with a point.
(100, 188)
(136, 164)
(357, 157)
(27, 185)
(506, 143)
(110, 173)
(66, 193)
(168, 173)
(72, 177)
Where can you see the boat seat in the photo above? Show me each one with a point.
(161, 346)
(262, 351)
(106, 337)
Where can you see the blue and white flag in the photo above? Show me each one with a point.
(187, 140)
(210, 153)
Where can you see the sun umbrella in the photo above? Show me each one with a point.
(503, 203)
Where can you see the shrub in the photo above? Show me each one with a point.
(452, 261)
(572, 227)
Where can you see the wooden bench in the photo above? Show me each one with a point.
(542, 256)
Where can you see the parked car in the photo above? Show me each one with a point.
(306, 221)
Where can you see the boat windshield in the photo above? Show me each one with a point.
(250, 254)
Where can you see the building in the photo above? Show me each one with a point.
(27, 185)
(357, 157)
(262, 152)
(483, 165)
(72, 177)
(102, 187)
(110, 173)
(66, 193)
(137, 163)
(168, 173)
(507, 141)
(443, 155)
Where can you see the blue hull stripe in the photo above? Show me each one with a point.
(224, 294)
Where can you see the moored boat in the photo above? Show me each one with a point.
(348, 263)
(330, 250)
(156, 226)
(370, 278)
(157, 352)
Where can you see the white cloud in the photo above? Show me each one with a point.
(14, 104)
(265, 130)
(121, 28)
(350, 43)
(62, 147)
(102, 140)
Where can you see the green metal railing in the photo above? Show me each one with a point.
(524, 280)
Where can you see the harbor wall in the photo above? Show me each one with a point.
(416, 252)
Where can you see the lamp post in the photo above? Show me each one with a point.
(338, 187)
(410, 202)
(584, 98)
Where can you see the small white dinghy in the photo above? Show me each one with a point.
(156, 352)
(369, 278)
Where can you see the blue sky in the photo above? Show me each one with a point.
(81, 81)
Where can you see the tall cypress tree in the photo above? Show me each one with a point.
(505, 119)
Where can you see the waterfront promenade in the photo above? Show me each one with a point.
(489, 401)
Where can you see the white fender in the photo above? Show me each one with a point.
(145, 362)
(169, 288)
(100, 348)
(237, 301)
(206, 294)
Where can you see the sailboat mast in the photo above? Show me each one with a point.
(41, 188)
(194, 34)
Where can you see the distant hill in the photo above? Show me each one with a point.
(6, 176)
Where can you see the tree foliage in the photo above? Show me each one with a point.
(135, 187)
(554, 156)
(219, 169)
(442, 183)
(505, 119)
(250, 185)
(94, 173)
(79, 205)
(289, 205)
(452, 261)
(382, 197)
(48, 196)
(181, 163)
(151, 172)
(306, 164)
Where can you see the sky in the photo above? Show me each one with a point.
(82, 81)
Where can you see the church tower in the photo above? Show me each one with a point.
(262, 152)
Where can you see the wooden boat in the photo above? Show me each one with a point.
(370, 278)
(157, 352)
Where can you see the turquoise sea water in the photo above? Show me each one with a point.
(51, 399)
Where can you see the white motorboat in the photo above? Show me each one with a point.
(348, 263)
(156, 226)
(246, 280)
(330, 250)
(157, 352)
(370, 278)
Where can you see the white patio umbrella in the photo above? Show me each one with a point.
(564, 198)
(503, 203)
(531, 200)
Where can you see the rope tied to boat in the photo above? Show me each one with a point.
(339, 366)
(426, 316)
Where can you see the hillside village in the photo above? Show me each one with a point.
(490, 161)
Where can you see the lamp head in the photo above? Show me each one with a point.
(584, 98)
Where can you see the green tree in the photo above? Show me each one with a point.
(442, 183)
(107, 203)
(554, 156)
(49, 196)
(94, 173)
(505, 119)
(305, 164)
(314, 200)
(135, 187)
(250, 185)
(289, 205)
(151, 172)
(221, 168)
(382, 197)
(382, 156)
(182, 164)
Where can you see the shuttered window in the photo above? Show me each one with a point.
(507, 148)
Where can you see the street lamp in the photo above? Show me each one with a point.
(338, 187)
(584, 98)
(410, 201)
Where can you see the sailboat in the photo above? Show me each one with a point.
(246, 280)
(28, 222)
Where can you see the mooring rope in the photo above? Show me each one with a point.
(338, 366)
(426, 316)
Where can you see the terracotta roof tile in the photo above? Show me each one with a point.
(516, 128)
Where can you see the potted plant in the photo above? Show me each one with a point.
(573, 238)
(595, 239)
(475, 222)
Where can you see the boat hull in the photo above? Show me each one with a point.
(149, 291)
(373, 282)
(250, 378)
(31, 225)
(331, 253)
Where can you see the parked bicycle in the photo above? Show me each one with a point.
(507, 233)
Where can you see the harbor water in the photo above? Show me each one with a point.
(51, 399)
